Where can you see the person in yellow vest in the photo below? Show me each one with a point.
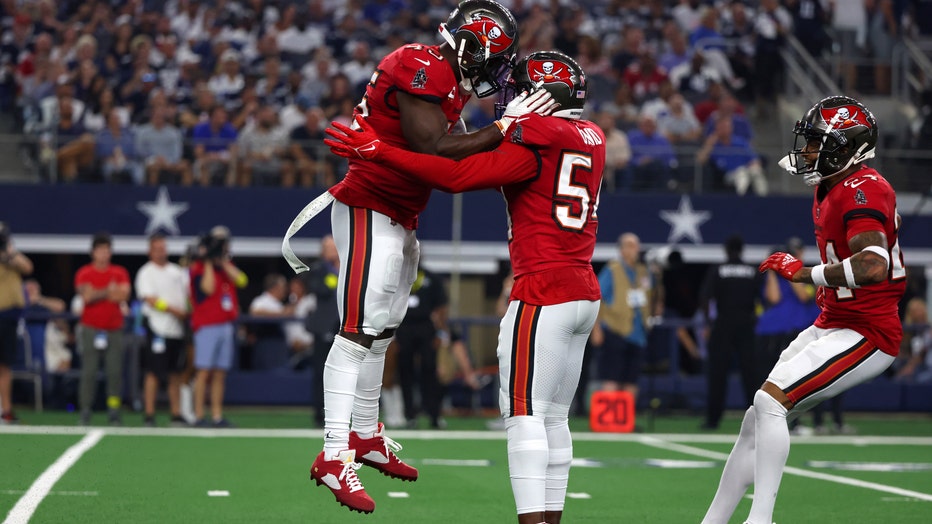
(629, 299)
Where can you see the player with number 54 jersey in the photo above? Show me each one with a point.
(549, 169)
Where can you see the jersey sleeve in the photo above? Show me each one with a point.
(507, 164)
(531, 131)
(420, 73)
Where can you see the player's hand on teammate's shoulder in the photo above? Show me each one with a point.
(361, 143)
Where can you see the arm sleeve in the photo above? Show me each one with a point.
(508, 164)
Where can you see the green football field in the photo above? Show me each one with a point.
(257, 474)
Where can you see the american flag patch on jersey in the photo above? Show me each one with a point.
(580, 93)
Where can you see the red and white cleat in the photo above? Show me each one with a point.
(379, 452)
(339, 475)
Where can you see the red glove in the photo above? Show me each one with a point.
(785, 264)
(352, 143)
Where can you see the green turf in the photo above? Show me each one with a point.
(165, 479)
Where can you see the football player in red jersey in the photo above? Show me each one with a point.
(414, 99)
(862, 277)
(549, 169)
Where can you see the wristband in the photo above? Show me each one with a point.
(818, 275)
(501, 126)
(161, 305)
(849, 273)
(880, 251)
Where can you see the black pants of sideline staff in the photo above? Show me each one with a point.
(730, 336)
(417, 364)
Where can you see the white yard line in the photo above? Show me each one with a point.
(451, 435)
(29, 502)
(799, 472)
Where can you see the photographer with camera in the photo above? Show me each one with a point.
(13, 266)
(214, 281)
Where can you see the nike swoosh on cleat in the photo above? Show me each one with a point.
(425, 62)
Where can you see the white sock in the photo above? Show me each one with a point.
(187, 403)
(560, 444)
(737, 475)
(528, 456)
(773, 446)
(368, 390)
(340, 374)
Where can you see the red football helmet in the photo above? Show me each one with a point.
(843, 132)
(485, 37)
(555, 72)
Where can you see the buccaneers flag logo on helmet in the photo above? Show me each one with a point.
(549, 71)
(489, 33)
(844, 117)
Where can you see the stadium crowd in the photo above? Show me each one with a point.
(230, 92)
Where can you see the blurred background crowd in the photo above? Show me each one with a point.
(237, 92)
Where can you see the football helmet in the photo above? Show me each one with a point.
(836, 133)
(555, 72)
(485, 37)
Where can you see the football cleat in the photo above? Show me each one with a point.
(339, 475)
(379, 452)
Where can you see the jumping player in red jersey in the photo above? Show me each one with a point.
(414, 99)
(549, 169)
(862, 277)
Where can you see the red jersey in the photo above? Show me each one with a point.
(102, 314)
(864, 201)
(220, 307)
(420, 71)
(549, 170)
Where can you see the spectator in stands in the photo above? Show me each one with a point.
(678, 51)
(810, 18)
(316, 76)
(272, 87)
(271, 350)
(644, 76)
(617, 149)
(706, 34)
(849, 29)
(262, 152)
(228, 83)
(772, 24)
(421, 333)
(591, 58)
(162, 287)
(294, 113)
(359, 68)
(883, 33)
(95, 117)
(632, 47)
(694, 78)
(628, 301)
(160, 146)
(103, 288)
(687, 14)
(38, 330)
(739, 30)
(214, 283)
(13, 266)
(115, 149)
(215, 149)
(136, 92)
(75, 147)
(710, 103)
(729, 108)
(86, 80)
(732, 160)
(734, 288)
(339, 91)
(304, 144)
(653, 161)
(324, 321)
(679, 123)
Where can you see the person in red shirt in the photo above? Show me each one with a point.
(861, 280)
(103, 287)
(414, 99)
(215, 306)
(549, 170)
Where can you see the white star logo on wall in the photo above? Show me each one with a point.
(162, 213)
(684, 222)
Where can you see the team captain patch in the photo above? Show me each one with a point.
(420, 79)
